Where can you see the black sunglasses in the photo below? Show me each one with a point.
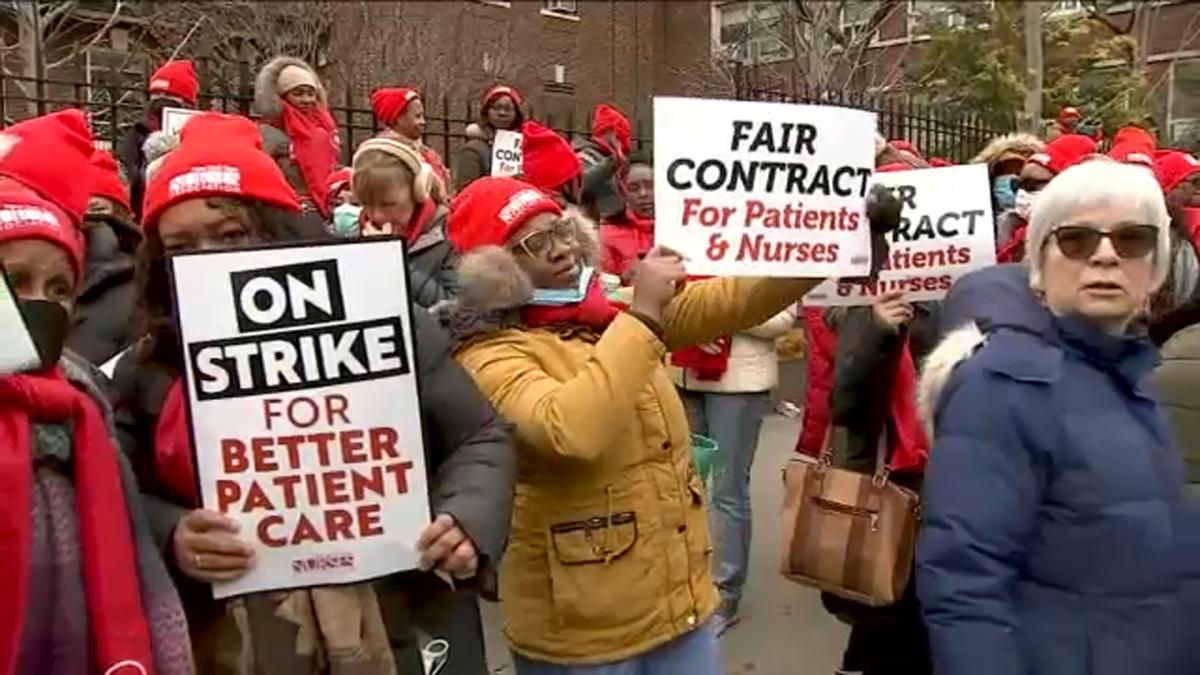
(1131, 241)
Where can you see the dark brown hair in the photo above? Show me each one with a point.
(155, 318)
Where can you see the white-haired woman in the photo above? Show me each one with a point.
(1051, 539)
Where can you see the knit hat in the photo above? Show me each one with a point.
(390, 103)
(178, 79)
(51, 155)
(218, 156)
(939, 162)
(607, 119)
(906, 146)
(547, 159)
(1174, 167)
(1063, 152)
(1133, 145)
(408, 155)
(338, 180)
(107, 181)
(490, 210)
(490, 96)
(293, 76)
(47, 159)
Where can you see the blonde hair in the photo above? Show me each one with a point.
(376, 172)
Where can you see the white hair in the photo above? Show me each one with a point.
(1096, 183)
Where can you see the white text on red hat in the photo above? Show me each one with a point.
(213, 178)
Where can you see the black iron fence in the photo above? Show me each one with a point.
(115, 99)
(934, 132)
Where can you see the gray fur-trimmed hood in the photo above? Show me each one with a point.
(492, 287)
(267, 101)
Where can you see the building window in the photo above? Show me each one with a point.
(1065, 8)
(1183, 103)
(751, 32)
(926, 16)
(856, 18)
(495, 3)
(561, 7)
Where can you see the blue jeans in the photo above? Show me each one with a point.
(733, 421)
(694, 653)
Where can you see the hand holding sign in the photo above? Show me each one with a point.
(657, 280)
(444, 546)
(891, 311)
(207, 549)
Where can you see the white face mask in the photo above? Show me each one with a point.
(1025, 202)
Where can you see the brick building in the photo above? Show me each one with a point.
(564, 56)
(1168, 31)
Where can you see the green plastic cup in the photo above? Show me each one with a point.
(704, 454)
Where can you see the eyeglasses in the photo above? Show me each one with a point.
(538, 244)
(1131, 241)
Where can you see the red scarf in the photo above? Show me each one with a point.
(434, 160)
(119, 630)
(910, 446)
(708, 367)
(173, 454)
(315, 149)
(1014, 250)
(595, 311)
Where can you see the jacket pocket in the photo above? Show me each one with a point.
(580, 542)
(590, 557)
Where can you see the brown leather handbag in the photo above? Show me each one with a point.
(848, 533)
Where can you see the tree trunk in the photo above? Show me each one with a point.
(1033, 66)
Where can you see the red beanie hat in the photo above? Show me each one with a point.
(548, 160)
(1063, 152)
(1133, 145)
(24, 214)
(1173, 167)
(178, 79)
(106, 179)
(338, 180)
(390, 103)
(608, 119)
(939, 162)
(218, 156)
(496, 92)
(51, 155)
(906, 146)
(490, 210)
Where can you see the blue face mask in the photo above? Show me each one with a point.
(1004, 192)
(557, 297)
(345, 221)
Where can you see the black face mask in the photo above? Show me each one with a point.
(47, 323)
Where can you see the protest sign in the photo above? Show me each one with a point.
(946, 230)
(173, 119)
(302, 394)
(18, 352)
(506, 153)
(763, 189)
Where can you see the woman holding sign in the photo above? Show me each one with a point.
(609, 562)
(500, 110)
(1054, 528)
(82, 585)
(211, 196)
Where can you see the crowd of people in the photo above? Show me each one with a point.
(565, 363)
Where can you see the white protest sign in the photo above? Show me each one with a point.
(763, 189)
(302, 393)
(945, 231)
(173, 119)
(17, 350)
(506, 153)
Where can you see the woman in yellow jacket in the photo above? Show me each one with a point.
(608, 566)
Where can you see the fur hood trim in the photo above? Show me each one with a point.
(157, 146)
(955, 348)
(1019, 143)
(492, 287)
(267, 101)
(476, 132)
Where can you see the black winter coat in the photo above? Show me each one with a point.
(129, 153)
(472, 469)
(103, 321)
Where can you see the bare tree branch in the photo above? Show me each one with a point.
(98, 35)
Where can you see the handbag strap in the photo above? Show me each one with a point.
(882, 472)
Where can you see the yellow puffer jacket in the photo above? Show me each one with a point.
(609, 555)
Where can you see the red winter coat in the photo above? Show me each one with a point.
(624, 241)
(822, 346)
